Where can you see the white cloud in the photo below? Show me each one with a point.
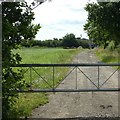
(60, 17)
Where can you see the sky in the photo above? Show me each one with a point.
(60, 17)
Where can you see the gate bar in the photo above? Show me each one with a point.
(71, 90)
(67, 65)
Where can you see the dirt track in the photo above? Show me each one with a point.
(85, 104)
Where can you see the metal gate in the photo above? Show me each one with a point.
(77, 67)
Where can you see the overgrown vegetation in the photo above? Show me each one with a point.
(16, 25)
(108, 56)
(28, 101)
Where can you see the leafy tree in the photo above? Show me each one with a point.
(84, 43)
(16, 25)
(110, 19)
(103, 22)
(69, 40)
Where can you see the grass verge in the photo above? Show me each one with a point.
(28, 101)
(108, 56)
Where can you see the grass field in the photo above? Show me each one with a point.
(29, 101)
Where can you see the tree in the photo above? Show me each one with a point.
(16, 25)
(69, 40)
(110, 19)
(103, 22)
(84, 43)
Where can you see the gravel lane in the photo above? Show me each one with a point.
(82, 104)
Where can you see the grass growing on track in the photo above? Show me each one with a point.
(29, 101)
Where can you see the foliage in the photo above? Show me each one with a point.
(84, 43)
(111, 46)
(16, 25)
(69, 41)
(103, 22)
(51, 43)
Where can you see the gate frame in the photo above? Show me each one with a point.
(76, 66)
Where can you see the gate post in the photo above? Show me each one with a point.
(76, 77)
(30, 74)
(53, 79)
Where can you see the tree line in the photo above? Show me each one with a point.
(68, 41)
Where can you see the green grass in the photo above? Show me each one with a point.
(28, 101)
(51, 55)
(108, 56)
